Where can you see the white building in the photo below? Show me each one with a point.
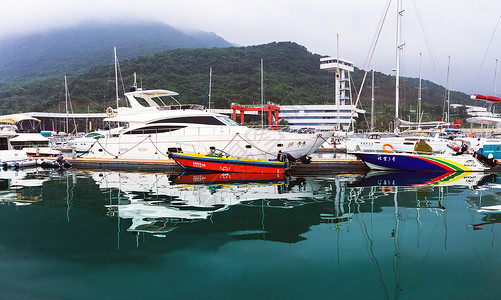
(330, 116)
(320, 117)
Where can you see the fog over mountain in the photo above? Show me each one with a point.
(79, 48)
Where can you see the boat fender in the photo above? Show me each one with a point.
(305, 159)
(483, 159)
(388, 148)
(464, 149)
(453, 146)
(283, 156)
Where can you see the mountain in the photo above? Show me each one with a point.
(78, 49)
(291, 76)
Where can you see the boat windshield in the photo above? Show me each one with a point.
(228, 121)
(217, 153)
(93, 135)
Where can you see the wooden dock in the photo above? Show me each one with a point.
(317, 165)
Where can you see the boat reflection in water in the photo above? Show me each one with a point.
(160, 203)
(22, 186)
(395, 232)
(487, 201)
(412, 190)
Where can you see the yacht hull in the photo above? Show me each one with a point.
(414, 162)
(238, 141)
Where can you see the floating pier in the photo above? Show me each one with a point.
(317, 165)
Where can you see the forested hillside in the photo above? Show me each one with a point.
(291, 76)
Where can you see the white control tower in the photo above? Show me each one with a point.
(341, 68)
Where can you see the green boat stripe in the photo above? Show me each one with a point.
(451, 165)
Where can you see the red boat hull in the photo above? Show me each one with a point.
(204, 163)
(229, 178)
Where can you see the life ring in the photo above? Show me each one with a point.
(388, 150)
(386, 189)
(473, 135)
(109, 111)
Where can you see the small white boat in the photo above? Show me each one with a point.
(85, 143)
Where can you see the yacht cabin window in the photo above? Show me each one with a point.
(154, 129)
(201, 120)
(4, 143)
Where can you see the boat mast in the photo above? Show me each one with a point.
(210, 84)
(262, 94)
(397, 73)
(447, 98)
(495, 75)
(66, 98)
(337, 83)
(116, 75)
(372, 99)
(419, 95)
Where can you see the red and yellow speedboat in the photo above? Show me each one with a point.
(219, 161)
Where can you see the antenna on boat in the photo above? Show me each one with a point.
(208, 89)
(135, 80)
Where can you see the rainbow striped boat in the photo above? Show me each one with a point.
(219, 161)
(417, 162)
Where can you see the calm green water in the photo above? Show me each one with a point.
(108, 235)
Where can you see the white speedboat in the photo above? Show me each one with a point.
(153, 129)
(83, 144)
(377, 142)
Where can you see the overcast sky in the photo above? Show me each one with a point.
(464, 30)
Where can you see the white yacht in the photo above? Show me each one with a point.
(8, 155)
(151, 129)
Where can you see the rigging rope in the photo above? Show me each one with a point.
(485, 55)
(99, 143)
(371, 55)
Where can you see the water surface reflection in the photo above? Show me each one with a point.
(404, 235)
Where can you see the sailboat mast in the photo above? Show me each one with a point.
(66, 98)
(419, 94)
(210, 84)
(397, 69)
(337, 83)
(116, 75)
(494, 92)
(262, 94)
(372, 100)
(447, 99)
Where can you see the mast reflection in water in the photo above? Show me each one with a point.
(131, 235)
